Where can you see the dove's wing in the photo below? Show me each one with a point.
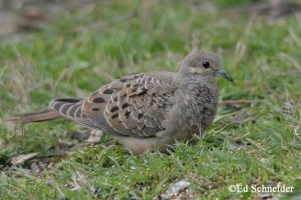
(134, 105)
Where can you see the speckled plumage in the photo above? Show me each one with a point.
(148, 110)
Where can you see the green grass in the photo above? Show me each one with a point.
(259, 144)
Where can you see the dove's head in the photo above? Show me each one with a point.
(203, 63)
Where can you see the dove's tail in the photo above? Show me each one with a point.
(37, 116)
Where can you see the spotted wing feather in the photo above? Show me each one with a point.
(134, 105)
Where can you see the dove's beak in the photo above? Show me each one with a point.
(220, 72)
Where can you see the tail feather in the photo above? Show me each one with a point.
(47, 114)
(37, 116)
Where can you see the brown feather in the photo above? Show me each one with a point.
(37, 116)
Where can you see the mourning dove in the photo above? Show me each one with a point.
(148, 111)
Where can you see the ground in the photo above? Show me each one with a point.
(50, 49)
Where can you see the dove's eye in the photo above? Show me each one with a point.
(206, 64)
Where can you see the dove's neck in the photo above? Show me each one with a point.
(197, 104)
(196, 78)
